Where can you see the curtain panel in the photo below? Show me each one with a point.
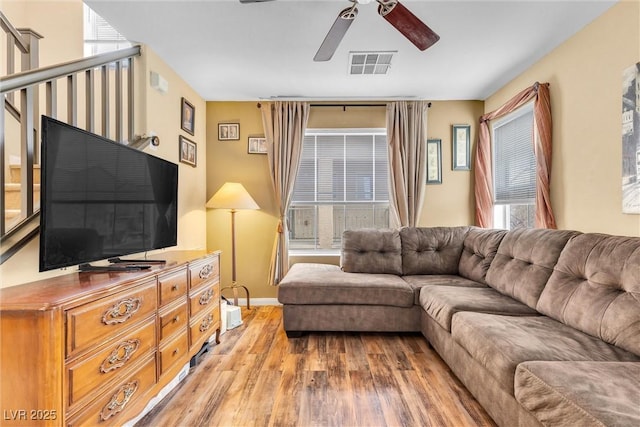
(406, 138)
(284, 125)
(542, 145)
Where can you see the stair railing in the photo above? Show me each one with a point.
(117, 66)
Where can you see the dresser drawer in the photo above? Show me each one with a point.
(104, 318)
(172, 286)
(203, 326)
(174, 319)
(204, 299)
(173, 352)
(106, 410)
(203, 271)
(92, 372)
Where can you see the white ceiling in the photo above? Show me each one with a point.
(231, 51)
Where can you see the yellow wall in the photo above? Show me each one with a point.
(159, 114)
(44, 17)
(585, 74)
(448, 204)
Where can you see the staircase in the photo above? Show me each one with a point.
(13, 195)
(107, 98)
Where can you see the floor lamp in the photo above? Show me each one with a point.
(233, 196)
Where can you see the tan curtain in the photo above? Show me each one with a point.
(539, 92)
(284, 126)
(406, 136)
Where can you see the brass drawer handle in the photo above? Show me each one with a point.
(119, 400)
(206, 323)
(205, 298)
(120, 355)
(174, 287)
(205, 272)
(121, 311)
(176, 351)
(175, 319)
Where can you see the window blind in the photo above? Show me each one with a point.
(347, 167)
(514, 159)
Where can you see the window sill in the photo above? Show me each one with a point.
(313, 252)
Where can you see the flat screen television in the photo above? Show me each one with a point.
(101, 199)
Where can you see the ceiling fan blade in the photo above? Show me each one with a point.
(408, 24)
(253, 1)
(336, 33)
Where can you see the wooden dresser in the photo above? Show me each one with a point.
(93, 348)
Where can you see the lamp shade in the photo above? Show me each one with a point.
(232, 195)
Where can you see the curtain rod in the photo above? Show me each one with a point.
(344, 106)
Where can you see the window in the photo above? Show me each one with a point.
(99, 35)
(342, 184)
(514, 172)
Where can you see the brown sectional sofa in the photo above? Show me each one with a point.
(542, 326)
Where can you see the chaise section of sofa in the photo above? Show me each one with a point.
(319, 297)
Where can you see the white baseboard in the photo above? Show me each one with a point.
(242, 302)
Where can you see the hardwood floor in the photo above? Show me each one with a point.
(257, 376)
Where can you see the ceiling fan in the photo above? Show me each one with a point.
(416, 31)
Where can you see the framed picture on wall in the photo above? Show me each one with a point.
(228, 131)
(461, 150)
(187, 117)
(257, 145)
(188, 151)
(434, 161)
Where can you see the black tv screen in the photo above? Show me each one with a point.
(100, 199)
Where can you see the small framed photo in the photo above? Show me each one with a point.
(257, 145)
(461, 153)
(228, 131)
(188, 151)
(188, 117)
(434, 161)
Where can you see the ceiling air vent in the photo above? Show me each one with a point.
(370, 62)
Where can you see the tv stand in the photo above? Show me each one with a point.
(141, 261)
(87, 347)
(110, 268)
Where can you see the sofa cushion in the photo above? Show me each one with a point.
(327, 284)
(524, 262)
(479, 248)
(432, 250)
(595, 287)
(500, 343)
(580, 393)
(417, 282)
(442, 302)
(371, 250)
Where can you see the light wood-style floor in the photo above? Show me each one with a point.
(257, 376)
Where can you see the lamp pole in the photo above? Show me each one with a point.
(234, 285)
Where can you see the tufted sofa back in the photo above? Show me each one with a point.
(595, 288)
(371, 251)
(431, 250)
(479, 248)
(525, 261)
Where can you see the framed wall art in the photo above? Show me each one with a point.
(188, 117)
(257, 145)
(188, 151)
(461, 150)
(228, 131)
(434, 161)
